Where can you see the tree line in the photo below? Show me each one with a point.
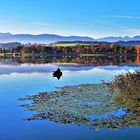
(41, 50)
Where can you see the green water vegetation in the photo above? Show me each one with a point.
(94, 106)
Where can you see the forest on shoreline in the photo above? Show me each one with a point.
(42, 51)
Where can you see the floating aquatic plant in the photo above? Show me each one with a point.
(91, 105)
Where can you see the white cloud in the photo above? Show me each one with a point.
(125, 17)
(105, 23)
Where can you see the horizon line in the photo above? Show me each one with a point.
(67, 35)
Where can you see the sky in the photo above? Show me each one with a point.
(94, 18)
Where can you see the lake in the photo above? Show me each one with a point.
(18, 79)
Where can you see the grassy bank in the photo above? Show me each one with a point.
(70, 45)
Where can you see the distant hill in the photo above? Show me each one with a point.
(10, 45)
(52, 38)
(121, 43)
(42, 38)
(115, 39)
(128, 43)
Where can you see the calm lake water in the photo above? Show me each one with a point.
(18, 80)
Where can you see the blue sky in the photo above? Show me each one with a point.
(95, 18)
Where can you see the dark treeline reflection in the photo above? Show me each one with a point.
(97, 61)
(113, 105)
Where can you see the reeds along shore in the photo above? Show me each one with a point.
(128, 87)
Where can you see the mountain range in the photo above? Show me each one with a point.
(116, 39)
(41, 38)
(51, 38)
(8, 40)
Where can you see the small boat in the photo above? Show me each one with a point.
(57, 73)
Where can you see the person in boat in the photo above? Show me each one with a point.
(57, 73)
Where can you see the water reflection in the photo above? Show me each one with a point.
(94, 106)
(94, 61)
